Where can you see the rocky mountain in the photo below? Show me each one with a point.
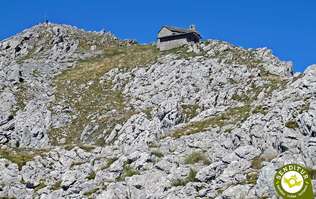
(86, 115)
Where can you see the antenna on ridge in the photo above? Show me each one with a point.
(46, 19)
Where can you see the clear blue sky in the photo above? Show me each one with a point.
(288, 27)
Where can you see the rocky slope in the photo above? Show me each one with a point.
(85, 115)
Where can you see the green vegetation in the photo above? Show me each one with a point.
(298, 77)
(256, 163)
(147, 111)
(251, 178)
(260, 109)
(19, 157)
(89, 193)
(292, 124)
(272, 82)
(190, 111)
(29, 55)
(305, 106)
(235, 55)
(108, 163)
(181, 52)
(76, 163)
(248, 96)
(241, 98)
(56, 186)
(36, 73)
(22, 181)
(94, 100)
(40, 186)
(236, 115)
(113, 57)
(21, 96)
(86, 147)
(87, 39)
(275, 82)
(196, 157)
(230, 116)
(153, 145)
(91, 176)
(157, 153)
(186, 180)
(69, 147)
(128, 171)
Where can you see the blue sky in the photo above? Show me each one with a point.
(287, 27)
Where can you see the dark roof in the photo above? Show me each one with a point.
(181, 31)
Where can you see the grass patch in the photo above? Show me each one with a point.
(108, 163)
(56, 185)
(87, 148)
(36, 73)
(292, 124)
(147, 112)
(181, 52)
(260, 109)
(21, 96)
(19, 157)
(91, 176)
(249, 95)
(157, 153)
(28, 56)
(196, 157)
(128, 171)
(241, 97)
(40, 186)
(182, 182)
(251, 178)
(275, 82)
(256, 163)
(190, 111)
(76, 163)
(69, 147)
(230, 116)
(234, 55)
(305, 107)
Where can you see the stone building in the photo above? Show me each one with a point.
(172, 37)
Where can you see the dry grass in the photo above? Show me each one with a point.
(190, 111)
(128, 171)
(292, 124)
(196, 157)
(20, 157)
(157, 153)
(80, 88)
(256, 163)
(230, 116)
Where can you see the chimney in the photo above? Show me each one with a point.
(192, 27)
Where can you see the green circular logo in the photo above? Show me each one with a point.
(293, 181)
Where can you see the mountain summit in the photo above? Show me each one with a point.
(87, 115)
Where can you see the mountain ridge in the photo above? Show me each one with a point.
(87, 115)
